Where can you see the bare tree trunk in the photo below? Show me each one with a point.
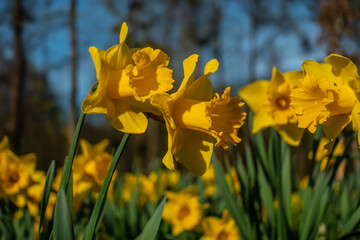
(15, 124)
(73, 68)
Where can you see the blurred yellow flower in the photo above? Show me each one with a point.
(320, 156)
(328, 95)
(34, 194)
(270, 102)
(148, 188)
(172, 179)
(126, 79)
(304, 182)
(4, 144)
(296, 204)
(194, 115)
(183, 210)
(93, 163)
(209, 181)
(15, 175)
(220, 229)
(233, 180)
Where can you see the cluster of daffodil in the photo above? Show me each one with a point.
(323, 93)
(132, 86)
(20, 182)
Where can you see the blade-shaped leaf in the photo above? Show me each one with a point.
(46, 194)
(63, 228)
(231, 204)
(100, 201)
(152, 226)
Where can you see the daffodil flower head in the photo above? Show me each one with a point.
(127, 78)
(327, 95)
(223, 228)
(15, 175)
(183, 210)
(270, 102)
(194, 115)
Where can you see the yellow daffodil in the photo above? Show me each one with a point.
(172, 178)
(183, 210)
(233, 180)
(296, 204)
(127, 78)
(194, 115)
(148, 188)
(16, 176)
(215, 228)
(4, 144)
(209, 181)
(93, 163)
(270, 102)
(34, 194)
(323, 158)
(304, 182)
(328, 95)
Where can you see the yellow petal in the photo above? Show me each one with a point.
(291, 133)
(4, 144)
(97, 55)
(335, 124)
(123, 33)
(321, 70)
(200, 90)
(150, 74)
(277, 79)
(255, 94)
(189, 65)
(164, 103)
(127, 120)
(29, 161)
(117, 57)
(194, 150)
(355, 115)
(211, 67)
(262, 120)
(309, 101)
(293, 77)
(343, 67)
(98, 102)
(101, 146)
(168, 159)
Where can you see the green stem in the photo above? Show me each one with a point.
(69, 160)
(100, 201)
(340, 158)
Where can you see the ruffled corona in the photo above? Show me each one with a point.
(195, 112)
(270, 102)
(126, 80)
(327, 95)
(310, 100)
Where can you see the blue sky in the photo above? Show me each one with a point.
(95, 24)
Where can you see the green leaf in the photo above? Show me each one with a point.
(286, 186)
(63, 228)
(230, 201)
(65, 177)
(261, 150)
(315, 211)
(100, 201)
(132, 212)
(46, 195)
(152, 226)
(351, 222)
(250, 162)
(267, 196)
